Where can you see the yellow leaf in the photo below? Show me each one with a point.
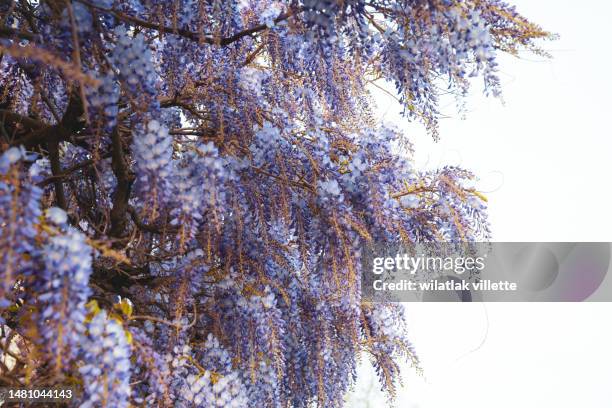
(480, 195)
(128, 336)
(125, 307)
(93, 307)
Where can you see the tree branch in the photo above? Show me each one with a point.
(69, 171)
(9, 32)
(56, 169)
(260, 27)
(156, 229)
(190, 34)
(71, 123)
(15, 118)
(122, 193)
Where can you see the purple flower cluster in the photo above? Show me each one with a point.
(152, 147)
(198, 185)
(204, 391)
(106, 369)
(133, 59)
(63, 288)
(20, 208)
(105, 99)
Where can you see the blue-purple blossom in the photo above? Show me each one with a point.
(63, 288)
(20, 209)
(106, 369)
(134, 61)
(106, 100)
(152, 148)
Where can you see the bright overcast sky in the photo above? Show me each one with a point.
(545, 157)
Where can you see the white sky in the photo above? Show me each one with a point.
(546, 157)
(518, 355)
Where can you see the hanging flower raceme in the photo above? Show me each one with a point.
(106, 369)
(105, 99)
(152, 147)
(63, 288)
(134, 61)
(20, 209)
